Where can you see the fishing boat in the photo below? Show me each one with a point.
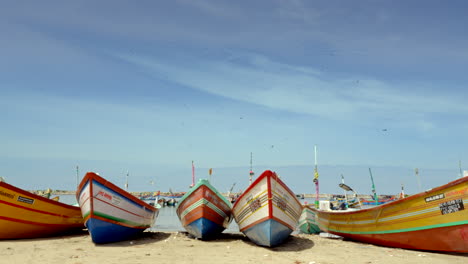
(267, 212)
(110, 213)
(171, 202)
(27, 215)
(203, 211)
(378, 202)
(434, 220)
(307, 221)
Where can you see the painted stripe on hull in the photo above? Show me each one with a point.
(268, 233)
(203, 211)
(40, 212)
(307, 221)
(448, 239)
(203, 203)
(436, 219)
(27, 215)
(267, 203)
(111, 214)
(17, 228)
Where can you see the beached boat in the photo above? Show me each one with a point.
(434, 220)
(203, 211)
(307, 221)
(110, 213)
(267, 212)
(27, 215)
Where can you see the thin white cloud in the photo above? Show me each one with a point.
(290, 88)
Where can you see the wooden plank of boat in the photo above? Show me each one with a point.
(203, 211)
(27, 215)
(434, 220)
(110, 213)
(308, 221)
(267, 212)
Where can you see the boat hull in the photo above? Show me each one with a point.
(110, 213)
(203, 211)
(308, 221)
(268, 211)
(26, 215)
(435, 220)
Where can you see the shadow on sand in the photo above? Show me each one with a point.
(140, 239)
(292, 243)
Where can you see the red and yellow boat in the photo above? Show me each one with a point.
(434, 220)
(27, 215)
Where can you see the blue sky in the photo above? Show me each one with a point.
(148, 87)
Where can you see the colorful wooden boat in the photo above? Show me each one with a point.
(27, 215)
(267, 212)
(110, 213)
(307, 221)
(434, 220)
(203, 211)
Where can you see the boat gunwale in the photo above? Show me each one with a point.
(396, 202)
(266, 174)
(36, 196)
(90, 176)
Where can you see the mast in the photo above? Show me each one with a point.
(126, 182)
(376, 199)
(230, 190)
(416, 171)
(77, 173)
(316, 181)
(251, 173)
(459, 166)
(402, 193)
(210, 171)
(193, 175)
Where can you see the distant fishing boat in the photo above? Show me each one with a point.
(434, 220)
(171, 202)
(27, 215)
(203, 211)
(267, 212)
(354, 202)
(378, 202)
(110, 213)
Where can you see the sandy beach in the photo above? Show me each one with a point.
(178, 247)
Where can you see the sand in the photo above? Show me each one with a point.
(178, 247)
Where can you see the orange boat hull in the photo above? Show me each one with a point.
(26, 215)
(434, 220)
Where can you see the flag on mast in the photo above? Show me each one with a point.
(316, 181)
(251, 173)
